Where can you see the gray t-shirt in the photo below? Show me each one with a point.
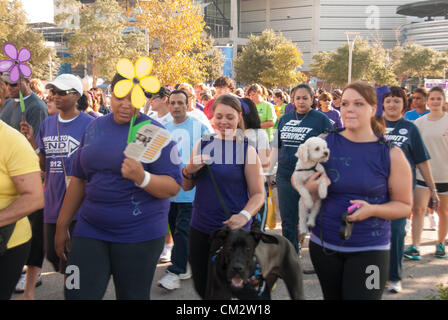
(35, 112)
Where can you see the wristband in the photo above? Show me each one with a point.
(433, 190)
(246, 214)
(37, 151)
(145, 180)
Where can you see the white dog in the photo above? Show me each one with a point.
(310, 154)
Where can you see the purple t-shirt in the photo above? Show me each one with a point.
(357, 171)
(114, 209)
(334, 116)
(208, 213)
(59, 152)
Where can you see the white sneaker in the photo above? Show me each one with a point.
(170, 281)
(395, 286)
(408, 226)
(434, 221)
(20, 286)
(166, 253)
(187, 274)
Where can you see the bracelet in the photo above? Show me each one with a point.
(37, 150)
(188, 177)
(145, 180)
(433, 190)
(246, 214)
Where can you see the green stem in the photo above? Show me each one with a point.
(131, 125)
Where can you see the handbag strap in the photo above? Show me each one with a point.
(218, 193)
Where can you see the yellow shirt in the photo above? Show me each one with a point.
(17, 157)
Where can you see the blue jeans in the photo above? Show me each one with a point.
(288, 199)
(179, 220)
(397, 248)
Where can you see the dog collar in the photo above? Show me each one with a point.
(257, 279)
(312, 168)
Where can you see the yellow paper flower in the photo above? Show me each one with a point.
(136, 80)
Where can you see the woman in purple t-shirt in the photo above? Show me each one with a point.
(123, 208)
(362, 168)
(325, 107)
(238, 176)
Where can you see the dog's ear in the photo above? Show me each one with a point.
(302, 152)
(266, 238)
(219, 235)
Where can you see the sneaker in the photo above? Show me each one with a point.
(20, 286)
(170, 281)
(395, 286)
(440, 251)
(166, 253)
(412, 253)
(433, 221)
(408, 227)
(187, 274)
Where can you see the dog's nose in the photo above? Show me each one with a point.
(237, 268)
(325, 153)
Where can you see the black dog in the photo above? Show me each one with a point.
(244, 267)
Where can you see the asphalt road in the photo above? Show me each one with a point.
(420, 279)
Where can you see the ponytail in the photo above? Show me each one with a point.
(82, 103)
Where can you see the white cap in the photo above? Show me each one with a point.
(66, 81)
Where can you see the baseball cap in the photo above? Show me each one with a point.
(66, 81)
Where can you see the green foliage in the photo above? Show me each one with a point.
(15, 30)
(100, 39)
(269, 59)
(418, 62)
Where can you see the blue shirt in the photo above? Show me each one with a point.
(357, 171)
(406, 135)
(294, 129)
(335, 118)
(185, 135)
(414, 115)
(114, 209)
(59, 150)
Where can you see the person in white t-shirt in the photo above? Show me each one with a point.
(160, 107)
(434, 130)
(192, 110)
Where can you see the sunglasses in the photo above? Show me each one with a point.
(328, 100)
(12, 84)
(155, 96)
(62, 93)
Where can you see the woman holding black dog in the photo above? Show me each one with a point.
(239, 180)
(364, 169)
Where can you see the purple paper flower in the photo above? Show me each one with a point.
(15, 66)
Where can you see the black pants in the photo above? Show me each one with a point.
(199, 254)
(11, 265)
(36, 256)
(350, 276)
(132, 266)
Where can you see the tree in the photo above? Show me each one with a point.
(15, 30)
(269, 59)
(101, 40)
(174, 30)
(417, 61)
(369, 63)
(213, 61)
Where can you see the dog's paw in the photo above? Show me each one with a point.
(310, 222)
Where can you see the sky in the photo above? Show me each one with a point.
(39, 10)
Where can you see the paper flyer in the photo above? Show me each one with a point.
(148, 145)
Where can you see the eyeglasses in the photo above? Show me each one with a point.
(12, 84)
(62, 93)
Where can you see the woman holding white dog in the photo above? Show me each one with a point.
(365, 169)
(294, 128)
(239, 179)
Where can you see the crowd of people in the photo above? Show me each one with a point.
(70, 194)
